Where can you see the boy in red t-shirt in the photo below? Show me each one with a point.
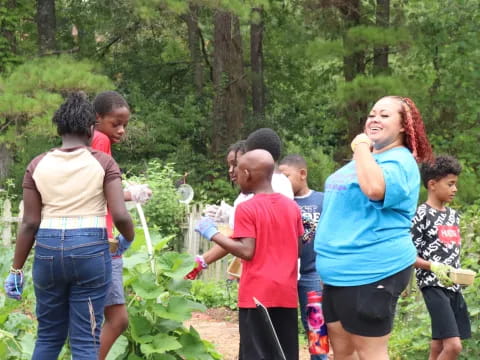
(113, 113)
(267, 234)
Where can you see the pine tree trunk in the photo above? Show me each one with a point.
(256, 59)
(191, 19)
(46, 26)
(353, 65)
(229, 82)
(7, 30)
(5, 161)
(380, 54)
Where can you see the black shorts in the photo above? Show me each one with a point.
(448, 312)
(255, 343)
(365, 310)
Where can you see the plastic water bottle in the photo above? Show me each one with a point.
(317, 328)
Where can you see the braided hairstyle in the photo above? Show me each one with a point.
(238, 147)
(415, 136)
(107, 101)
(75, 116)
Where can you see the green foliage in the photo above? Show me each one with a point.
(163, 212)
(369, 89)
(214, 294)
(157, 306)
(362, 37)
(30, 94)
(12, 23)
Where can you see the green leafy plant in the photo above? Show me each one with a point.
(158, 304)
(216, 293)
(163, 211)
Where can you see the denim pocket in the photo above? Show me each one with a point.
(89, 270)
(42, 272)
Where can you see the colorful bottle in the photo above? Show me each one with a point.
(317, 328)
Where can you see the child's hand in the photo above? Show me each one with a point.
(140, 193)
(123, 245)
(200, 265)
(211, 211)
(442, 271)
(206, 227)
(14, 284)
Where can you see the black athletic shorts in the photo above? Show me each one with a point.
(365, 310)
(448, 312)
(255, 342)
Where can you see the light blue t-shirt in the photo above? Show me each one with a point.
(359, 241)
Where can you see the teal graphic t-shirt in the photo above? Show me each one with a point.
(359, 241)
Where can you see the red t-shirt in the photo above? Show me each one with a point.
(275, 222)
(102, 143)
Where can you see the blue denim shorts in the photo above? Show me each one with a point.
(115, 293)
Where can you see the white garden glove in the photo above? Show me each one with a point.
(140, 193)
(211, 211)
(220, 214)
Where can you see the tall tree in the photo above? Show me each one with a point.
(353, 64)
(380, 54)
(256, 59)
(228, 80)
(46, 26)
(194, 42)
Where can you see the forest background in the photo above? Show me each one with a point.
(202, 74)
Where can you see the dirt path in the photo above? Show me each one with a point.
(220, 327)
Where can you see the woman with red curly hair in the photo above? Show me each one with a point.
(365, 254)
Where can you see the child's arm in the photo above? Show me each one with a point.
(421, 263)
(300, 241)
(116, 205)
(30, 223)
(244, 248)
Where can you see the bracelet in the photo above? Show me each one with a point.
(360, 139)
(202, 261)
(16, 271)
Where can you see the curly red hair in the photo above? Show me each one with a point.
(415, 136)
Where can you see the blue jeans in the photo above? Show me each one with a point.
(306, 283)
(71, 273)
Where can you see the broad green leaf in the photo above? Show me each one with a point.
(161, 343)
(175, 265)
(145, 286)
(119, 348)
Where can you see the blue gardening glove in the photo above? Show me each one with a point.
(206, 227)
(123, 245)
(442, 271)
(14, 284)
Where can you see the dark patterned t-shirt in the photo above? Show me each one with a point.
(436, 236)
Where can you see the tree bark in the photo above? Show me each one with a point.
(5, 161)
(7, 31)
(380, 54)
(256, 59)
(353, 65)
(229, 82)
(46, 26)
(191, 19)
